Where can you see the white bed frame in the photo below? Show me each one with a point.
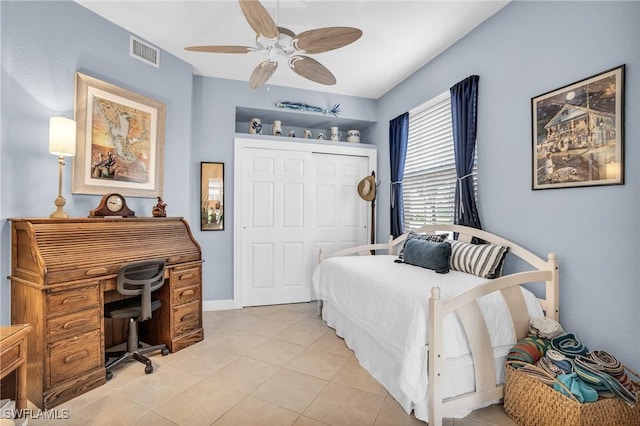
(466, 307)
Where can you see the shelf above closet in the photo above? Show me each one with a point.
(300, 119)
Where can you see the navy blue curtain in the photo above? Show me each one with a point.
(464, 116)
(398, 137)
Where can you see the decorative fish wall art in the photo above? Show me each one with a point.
(297, 106)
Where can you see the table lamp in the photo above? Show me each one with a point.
(62, 142)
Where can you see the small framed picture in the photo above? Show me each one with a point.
(578, 133)
(211, 196)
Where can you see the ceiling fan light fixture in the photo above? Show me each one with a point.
(265, 43)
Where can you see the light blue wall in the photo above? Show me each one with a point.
(526, 49)
(214, 128)
(43, 45)
(39, 60)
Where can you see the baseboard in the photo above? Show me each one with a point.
(217, 305)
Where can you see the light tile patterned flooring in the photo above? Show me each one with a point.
(270, 365)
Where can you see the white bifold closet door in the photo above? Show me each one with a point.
(290, 204)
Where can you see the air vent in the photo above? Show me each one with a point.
(145, 52)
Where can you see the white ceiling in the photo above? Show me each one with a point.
(398, 38)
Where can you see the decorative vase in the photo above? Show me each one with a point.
(255, 126)
(353, 136)
(335, 134)
(276, 128)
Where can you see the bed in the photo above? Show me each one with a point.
(436, 341)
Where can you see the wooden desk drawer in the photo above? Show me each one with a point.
(186, 318)
(74, 324)
(70, 358)
(186, 294)
(8, 359)
(75, 300)
(185, 277)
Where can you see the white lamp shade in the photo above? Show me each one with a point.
(62, 136)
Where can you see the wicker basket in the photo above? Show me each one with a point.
(529, 402)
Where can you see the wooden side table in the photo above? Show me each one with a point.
(13, 357)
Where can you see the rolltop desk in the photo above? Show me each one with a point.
(62, 273)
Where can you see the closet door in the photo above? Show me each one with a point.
(339, 218)
(276, 198)
(291, 200)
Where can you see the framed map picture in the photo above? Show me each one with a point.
(120, 140)
(578, 133)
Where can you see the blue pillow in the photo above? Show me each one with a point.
(427, 254)
(435, 238)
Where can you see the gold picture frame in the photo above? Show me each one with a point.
(578, 133)
(211, 196)
(120, 140)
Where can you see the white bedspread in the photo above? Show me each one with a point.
(390, 301)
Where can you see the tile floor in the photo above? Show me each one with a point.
(271, 365)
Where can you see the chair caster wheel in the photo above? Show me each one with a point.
(109, 375)
(148, 369)
(165, 352)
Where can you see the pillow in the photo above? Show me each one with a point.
(436, 238)
(428, 254)
(482, 260)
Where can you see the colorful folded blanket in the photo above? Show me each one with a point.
(568, 345)
(528, 350)
(553, 362)
(592, 372)
(581, 390)
(613, 367)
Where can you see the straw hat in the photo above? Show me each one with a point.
(367, 188)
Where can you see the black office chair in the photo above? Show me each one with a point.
(136, 279)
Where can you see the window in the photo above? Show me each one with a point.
(429, 182)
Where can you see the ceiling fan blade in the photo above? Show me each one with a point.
(262, 73)
(259, 19)
(221, 49)
(311, 69)
(325, 39)
(287, 31)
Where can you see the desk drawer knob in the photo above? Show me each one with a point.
(74, 299)
(75, 357)
(185, 277)
(95, 271)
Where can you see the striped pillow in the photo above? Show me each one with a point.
(482, 260)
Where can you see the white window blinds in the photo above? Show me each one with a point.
(429, 174)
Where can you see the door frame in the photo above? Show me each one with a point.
(240, 144)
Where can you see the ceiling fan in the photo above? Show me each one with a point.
(278, 42)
